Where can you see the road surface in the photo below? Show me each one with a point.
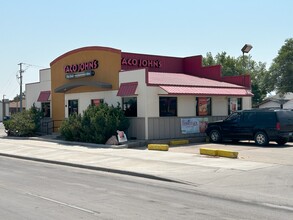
(33, 190)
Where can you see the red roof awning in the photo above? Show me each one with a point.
(44, 96)
(206, 91)
(127, 89)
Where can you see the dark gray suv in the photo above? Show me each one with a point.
(260, 125)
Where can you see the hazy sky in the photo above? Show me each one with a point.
(35, 32)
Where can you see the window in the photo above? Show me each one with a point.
(72, 107)
(203, 106)
(168, 106)
(234, 104)
(46, 109)
(249, 117)
(97, 102)
(233, 117)
(129, 106)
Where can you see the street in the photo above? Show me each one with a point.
(33, 190)
(257, 185)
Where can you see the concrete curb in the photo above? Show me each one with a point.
(162, 147)
(218, 152)
(227, 153)
(208, 151)
(179, 142)
(103, 169)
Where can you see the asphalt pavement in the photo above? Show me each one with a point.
(181, 164)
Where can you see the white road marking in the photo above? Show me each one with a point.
(288, 208)
(64, 204)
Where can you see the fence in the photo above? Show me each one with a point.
(162, 128)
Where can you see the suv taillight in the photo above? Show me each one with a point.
(278, 126)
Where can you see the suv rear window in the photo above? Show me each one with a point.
(285, 116)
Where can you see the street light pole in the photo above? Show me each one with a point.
(245, 49)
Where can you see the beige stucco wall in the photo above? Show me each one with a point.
(186, 106)
(246, 103)
(137, 76)
(33, 89)
(219, 106)
(45, 75)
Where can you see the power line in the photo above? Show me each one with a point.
(32, 65)
(21, 70)
(8, 84)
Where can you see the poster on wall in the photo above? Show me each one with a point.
(96, 102)
(203, 124)
(193, 125)
(202, 106)
(233, 104)
(189, 125)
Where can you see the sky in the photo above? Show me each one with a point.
(35, 32)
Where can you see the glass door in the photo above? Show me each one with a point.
(72, 106)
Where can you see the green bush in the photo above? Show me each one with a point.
(71, 128)
(23, 124)
(96, 125)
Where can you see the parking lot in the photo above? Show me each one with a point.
(247, 150)
(272, 153)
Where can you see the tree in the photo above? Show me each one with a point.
(17, 97)
(232, 66)
(280, 77)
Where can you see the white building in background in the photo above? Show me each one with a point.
(278, 101)
(4, 108)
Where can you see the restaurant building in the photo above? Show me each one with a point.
(163, 96)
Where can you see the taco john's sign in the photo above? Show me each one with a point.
(81, 70)
(141, 62)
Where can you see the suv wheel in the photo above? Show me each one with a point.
(215, 136)
(261, 138)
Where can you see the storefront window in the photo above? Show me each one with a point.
(168, 106)
(72, 107)
(234, 104)
(46, 109)
(203, 106)
(97, 102)
(129, 106)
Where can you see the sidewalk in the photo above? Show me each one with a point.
(166, 165)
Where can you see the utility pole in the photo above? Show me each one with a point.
(20, 79)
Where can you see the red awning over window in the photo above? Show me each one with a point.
(127, 89)
(44, 96)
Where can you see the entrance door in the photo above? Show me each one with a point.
(72, 107)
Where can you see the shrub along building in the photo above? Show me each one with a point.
(164, 97)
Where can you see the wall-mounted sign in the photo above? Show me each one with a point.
(79, 74)
(81, 67)
(141, 62)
